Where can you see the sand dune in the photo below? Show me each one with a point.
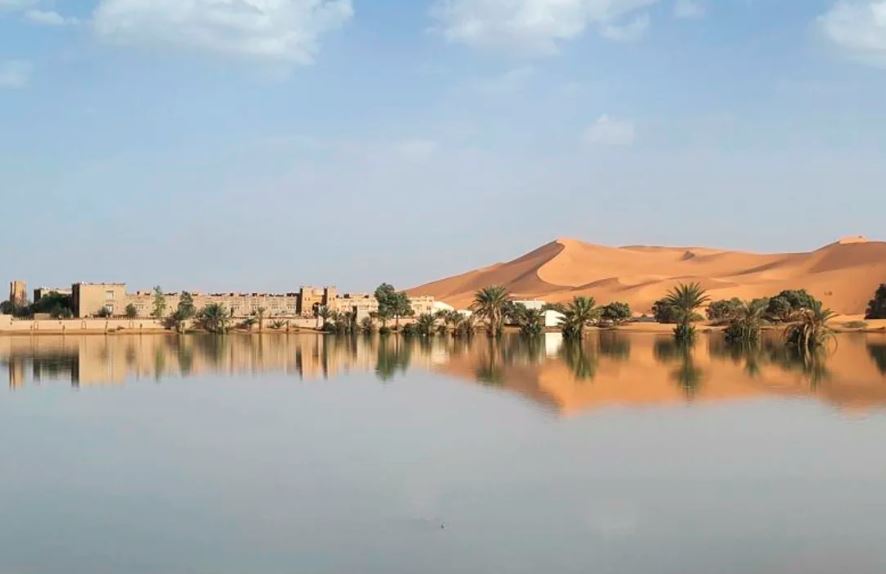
(844, 274)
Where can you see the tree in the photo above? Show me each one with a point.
(530, 321)
(392, 304)
(104, 313)
(810, 329)
(260, 315)
(425, 325)
(616, 312)
(786, 304)
(724, 310)
(577, 315)
(489, 304)
(367, 325)
(159, 303)
(746, 322)
(186, 308)
(686, 299)
(55, 304)
(664, 312)
(131, 311)
(214, 318)
(877, 306)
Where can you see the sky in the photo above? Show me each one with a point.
(266, 144)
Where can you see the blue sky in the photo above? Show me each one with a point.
(265, 144)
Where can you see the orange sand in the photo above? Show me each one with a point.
(844, 275)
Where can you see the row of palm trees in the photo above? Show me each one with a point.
(808, 329)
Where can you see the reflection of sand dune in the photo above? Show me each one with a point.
(844, 274)
(645, 375)
(608, 369)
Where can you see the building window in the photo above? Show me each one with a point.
(109, 295)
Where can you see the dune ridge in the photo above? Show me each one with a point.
(843, 274)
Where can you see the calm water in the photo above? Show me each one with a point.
(304, 454)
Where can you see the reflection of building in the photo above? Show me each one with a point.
(18, 293)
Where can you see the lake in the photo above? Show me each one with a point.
(322, 454)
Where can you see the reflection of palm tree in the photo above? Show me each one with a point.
(582, 363)
(878, 354)
(489, 369)
(614, 345)
(688, 375)
(810, 363)
(394, 356)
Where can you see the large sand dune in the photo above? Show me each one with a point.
(844, 274)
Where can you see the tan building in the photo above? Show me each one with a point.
(18, 293)
(312, 298)
(92, 299)
(362, 304)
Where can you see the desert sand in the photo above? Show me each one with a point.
(844, 274)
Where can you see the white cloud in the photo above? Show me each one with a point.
(280, 30)
(529, 25)
(859, 27)
(416, 150)
(48, 18)
(16, 4)
(688, 9)
(14, 74)
(610, 132)
(629, 32)
(509, 82)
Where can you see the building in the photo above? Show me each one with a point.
(18, 293)
(94, 299)
(312, 298)
(361, 304)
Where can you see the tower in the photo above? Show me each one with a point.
(18, 293)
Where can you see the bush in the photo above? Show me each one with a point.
(786, 304)
(104, 313)
(877, 306)
(664, 312)
(617, 312)
(724, 310)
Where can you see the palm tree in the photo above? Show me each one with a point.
(747, 322)
(530, 321)
(260, 313)
(577, 315)
(810, 329)
(214, 318)
(425, 325)
(685, 300)
(489, 304)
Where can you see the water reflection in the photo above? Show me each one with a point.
(607, 368)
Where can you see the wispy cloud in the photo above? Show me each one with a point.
(15, 74)
(534, 26)
(286, 31)
(689, 9)
(859, 28)
(628, 32)
(49, 18)
(607, 131)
